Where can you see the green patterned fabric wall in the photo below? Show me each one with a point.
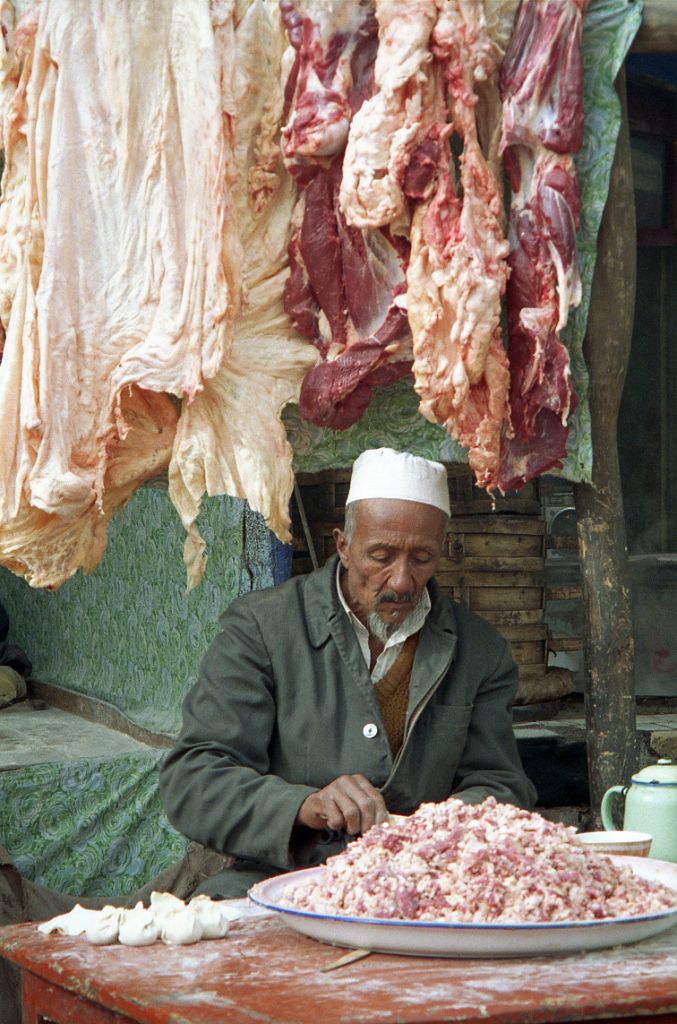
(129, 634)
(90, 827)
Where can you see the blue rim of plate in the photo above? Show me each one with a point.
(460, 925)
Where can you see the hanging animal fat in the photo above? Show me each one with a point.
(15, 153)
(346, 287)
(541, 85)
(124, 273)
(126, 199)
(230, 439)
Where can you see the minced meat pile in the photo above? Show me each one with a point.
(487, 863)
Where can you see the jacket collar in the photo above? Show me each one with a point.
(322, 605)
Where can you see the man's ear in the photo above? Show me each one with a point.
(342, 545)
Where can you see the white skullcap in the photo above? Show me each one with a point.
(385, 473)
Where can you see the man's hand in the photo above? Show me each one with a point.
(349, 803)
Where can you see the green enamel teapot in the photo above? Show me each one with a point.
(650, 806)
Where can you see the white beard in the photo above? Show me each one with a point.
(383, 630)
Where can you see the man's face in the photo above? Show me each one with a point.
(394, 551)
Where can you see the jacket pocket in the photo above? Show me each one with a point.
(440, 720)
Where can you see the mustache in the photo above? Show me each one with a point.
(392, 595)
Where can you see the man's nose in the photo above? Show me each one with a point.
(401, 577)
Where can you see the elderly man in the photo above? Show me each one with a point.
(358, 690)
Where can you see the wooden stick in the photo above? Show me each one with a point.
(347, 958)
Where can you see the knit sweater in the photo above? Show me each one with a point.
(392, 693)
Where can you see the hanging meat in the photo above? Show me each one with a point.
(230, 439)
(345, 291)
(120, 282)
(390, 125)
(269, 202)
(541, 85)
(458, 268)
(15, 153)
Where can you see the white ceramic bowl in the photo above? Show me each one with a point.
(627, 844)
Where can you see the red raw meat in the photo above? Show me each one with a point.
(541, 77)
(422, 168)
(541, 86)
(345, 283)
(317, 89)
(391, 124)
(336, 394)
(458, 267)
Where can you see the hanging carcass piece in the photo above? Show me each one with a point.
(346, 286)
(15, 152)
(541, 85)
(458, 267)
(136, 284)
(389, 126)
(231, 439)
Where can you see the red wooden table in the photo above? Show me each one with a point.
(262, 972)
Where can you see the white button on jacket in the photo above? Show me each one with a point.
(370, 730)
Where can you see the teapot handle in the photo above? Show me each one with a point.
(606, 809)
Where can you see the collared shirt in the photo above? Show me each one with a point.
(395, 641)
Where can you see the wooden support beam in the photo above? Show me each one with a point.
(658, 31)
(608, 640)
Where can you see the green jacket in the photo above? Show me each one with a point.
(280, 707)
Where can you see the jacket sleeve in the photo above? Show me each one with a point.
(215, 783)
(490, 764)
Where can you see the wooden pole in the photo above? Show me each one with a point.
(658, 31)
(608, 638)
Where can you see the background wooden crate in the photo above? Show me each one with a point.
(496, 542)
